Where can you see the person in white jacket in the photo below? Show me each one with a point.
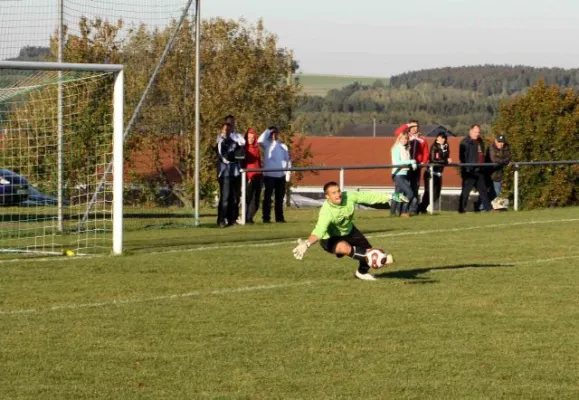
(275, 155)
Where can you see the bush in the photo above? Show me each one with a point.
(543, 125)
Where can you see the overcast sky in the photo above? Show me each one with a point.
(383, 37)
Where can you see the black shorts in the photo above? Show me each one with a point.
(354, 238)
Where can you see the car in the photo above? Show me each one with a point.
(14, 188)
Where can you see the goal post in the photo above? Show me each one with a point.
(53, 154)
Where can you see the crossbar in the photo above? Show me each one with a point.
(54, 66)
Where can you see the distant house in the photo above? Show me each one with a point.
(387, 130)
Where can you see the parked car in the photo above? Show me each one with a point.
(14, 188)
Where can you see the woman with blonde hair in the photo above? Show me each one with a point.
(401, 156)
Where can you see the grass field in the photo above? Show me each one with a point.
(476, 306)
(320, 84)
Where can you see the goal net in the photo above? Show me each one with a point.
(58, 126)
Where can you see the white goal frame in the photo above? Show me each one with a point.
(118, 128)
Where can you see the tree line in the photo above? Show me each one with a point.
(453, 97)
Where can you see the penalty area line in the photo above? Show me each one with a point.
(379, 235)
(124, 302)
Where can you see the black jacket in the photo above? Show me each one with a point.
(498, 156)
(228, 164)
(468, 153)
(439, 155)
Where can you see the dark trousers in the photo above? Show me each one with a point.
(273, 186)
(252, 195)
(354, 238)
(228, 208)
(437, 185)
(414, 179)
(470, 180)
(402, 185)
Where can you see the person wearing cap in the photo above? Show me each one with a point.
(439, 156)
(254, 179)
(418, 152)
(499, 152)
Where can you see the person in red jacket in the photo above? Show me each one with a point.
(254, 179)
(418, 152)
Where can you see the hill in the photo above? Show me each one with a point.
(453, 97)
(320, 85)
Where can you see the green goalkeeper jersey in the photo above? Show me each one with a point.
(336, 220)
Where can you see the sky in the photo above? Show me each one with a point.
(378, 37)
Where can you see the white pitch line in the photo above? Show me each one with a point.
(380, 235)
(123, 302)
(285, 242)
(242, 289)
(546, 260)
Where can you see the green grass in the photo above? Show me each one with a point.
(476, 306)
(320, 84)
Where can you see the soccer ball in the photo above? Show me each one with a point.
(376, 258)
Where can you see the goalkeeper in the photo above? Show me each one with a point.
(335, 230)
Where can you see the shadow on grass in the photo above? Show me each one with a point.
(414, 275)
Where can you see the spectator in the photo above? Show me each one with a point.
(275, 155)
(401, 156)
(230, 119)
(499, 152)
(228, 174)
(439, 155)
(418, 152)
(254, 179)
(471, 151)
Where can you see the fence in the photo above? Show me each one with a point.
(516, 166)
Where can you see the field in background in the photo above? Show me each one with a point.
(320, 84)
(476, 306)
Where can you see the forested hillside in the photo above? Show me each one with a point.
(454, 97)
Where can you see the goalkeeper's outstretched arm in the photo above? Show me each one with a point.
(303, 246)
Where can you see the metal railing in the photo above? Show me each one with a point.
(515, 165)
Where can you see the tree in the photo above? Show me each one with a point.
(244, 73)
(543, 125)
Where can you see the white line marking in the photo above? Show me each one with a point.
(380, 235)
(546, 260)
(123, 302)
(243, 289)
(284, 242)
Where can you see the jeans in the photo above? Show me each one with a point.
(252, 195)
(497, 187)
(402, 186)
(273, 186)
(414, 180)
(228, 208)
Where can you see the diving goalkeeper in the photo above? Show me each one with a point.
(336, 232)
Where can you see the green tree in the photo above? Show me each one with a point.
(244, 73)
(543, 125)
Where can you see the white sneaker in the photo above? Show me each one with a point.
(389, 259)
(365, 277)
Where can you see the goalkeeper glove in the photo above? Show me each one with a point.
(300, 250)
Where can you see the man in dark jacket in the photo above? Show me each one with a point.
(498, 153)
(471, 151)
(228, 173)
